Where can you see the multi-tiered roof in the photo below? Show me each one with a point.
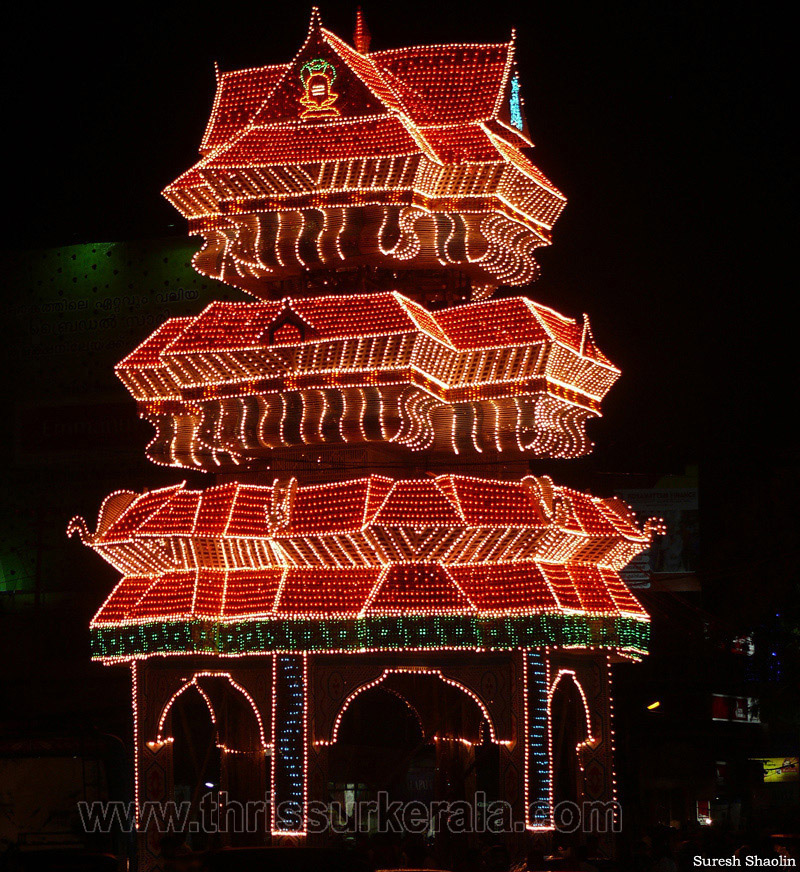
(340, 171)
(492, 554)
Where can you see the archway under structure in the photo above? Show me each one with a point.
(215, 739)
(238, 723)
(571, 733)
(380, 745)
(416, 735)
(432, 696)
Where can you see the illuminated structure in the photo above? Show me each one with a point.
(243, 381)
(365, 169)
(351, 191)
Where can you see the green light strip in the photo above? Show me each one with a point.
(354, 634)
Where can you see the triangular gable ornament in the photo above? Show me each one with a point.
(320, 84)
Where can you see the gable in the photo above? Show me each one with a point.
(511, 112)
(320, 84)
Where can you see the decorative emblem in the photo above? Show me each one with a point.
(318, 76)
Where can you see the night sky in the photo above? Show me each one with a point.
(663, 123)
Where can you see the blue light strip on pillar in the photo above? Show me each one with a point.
(539, 772)
(289, 738)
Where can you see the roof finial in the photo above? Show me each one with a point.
(361, 35)
(586, 333)
(316, 21)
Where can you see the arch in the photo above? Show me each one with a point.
(412, 708)
(558, 781)
(412, 670)
(383, 716)
(194, 683)
(590, 738)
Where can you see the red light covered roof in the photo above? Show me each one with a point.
(451, 544)
(433, 85)
(501, 367)
(234, 509)
(291, 143)
(222, 325)
(404, 589)
(417, 148)
(472, 143)
(514, 321)
(495, 323)
(460, 83)
(239, 95)
(148, 353)
(242, 510)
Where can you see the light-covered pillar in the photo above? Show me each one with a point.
(290, 745)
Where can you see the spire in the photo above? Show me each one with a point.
(586, 334)
(361, 35)
(316, 21)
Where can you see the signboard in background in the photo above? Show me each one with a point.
(739, 709)
(779, 769)
(677, 552)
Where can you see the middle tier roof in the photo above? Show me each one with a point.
(242, 380)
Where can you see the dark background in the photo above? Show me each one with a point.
(665, 124)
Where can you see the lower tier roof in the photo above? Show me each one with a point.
(420, 589)
(410, 606)
(486, 557)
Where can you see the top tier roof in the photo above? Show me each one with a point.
(432, 84)
(412, 152)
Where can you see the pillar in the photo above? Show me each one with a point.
(538, 775)
(152, 765)
(290, 744)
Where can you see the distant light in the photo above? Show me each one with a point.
(209, 784)
(653, 706)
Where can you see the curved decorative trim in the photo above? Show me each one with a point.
(411, 670)
(161, 739)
